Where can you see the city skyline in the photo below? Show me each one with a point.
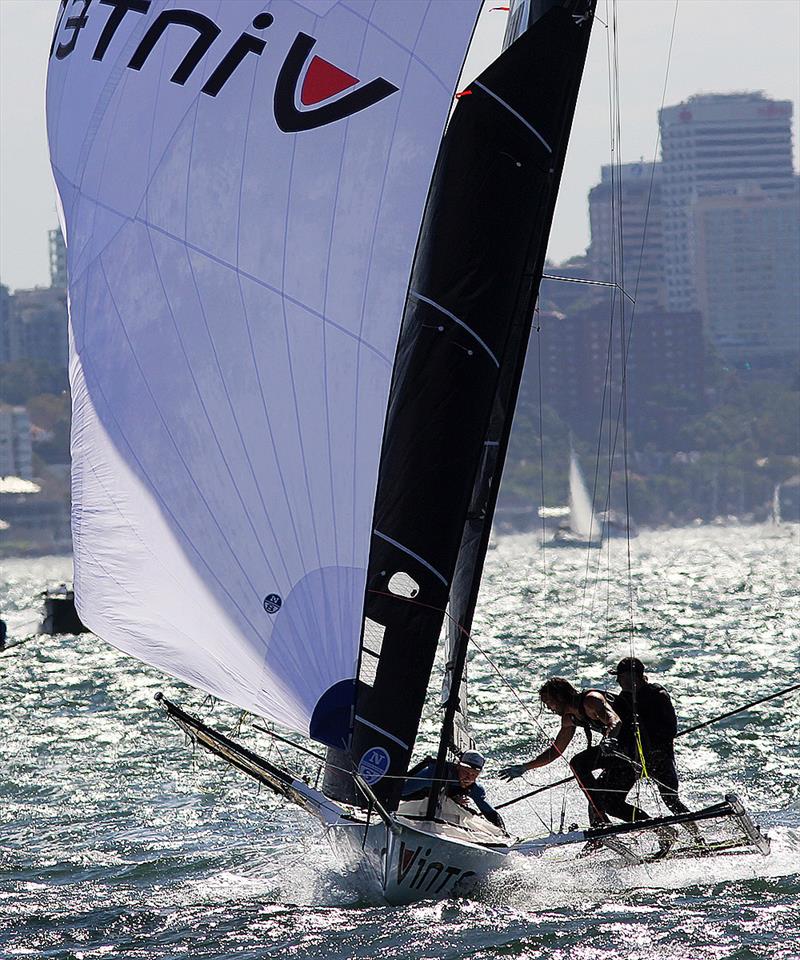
(750, 48)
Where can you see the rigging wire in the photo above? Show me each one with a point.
(614, 194)
(538, 323)
(470, 638)
(620, 421)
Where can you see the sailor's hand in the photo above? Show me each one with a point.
(513, 771)
(609, 747)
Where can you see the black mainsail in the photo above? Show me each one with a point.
(457, 371)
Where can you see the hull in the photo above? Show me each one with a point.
(571, 542)
(60, 615)
(423, 864)
(403, 862)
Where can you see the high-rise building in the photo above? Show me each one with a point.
(39, 326)
(636, 258)
(708, 142)
(15, 442)
(579, 356)
(748, 272)
(5, 324)
(58, 258)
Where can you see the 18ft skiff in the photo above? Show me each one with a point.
(299, 311)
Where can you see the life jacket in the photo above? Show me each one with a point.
(656, 715)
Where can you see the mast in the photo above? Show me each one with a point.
(457, 370)
(477, 529)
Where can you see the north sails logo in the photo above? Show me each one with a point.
(318, 80)
(374, 764)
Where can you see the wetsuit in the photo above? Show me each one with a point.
(658, 726)
(607, 792)
(418, 786)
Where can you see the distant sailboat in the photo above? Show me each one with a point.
(786, 501)
(581, 528)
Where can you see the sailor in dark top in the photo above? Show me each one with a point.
(593, 710)
(658, 726)
(460, 783)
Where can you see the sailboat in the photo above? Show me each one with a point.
(300, 295)
(580, 528)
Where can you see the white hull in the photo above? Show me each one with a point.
(406, 861)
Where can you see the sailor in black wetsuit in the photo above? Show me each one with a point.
(460, 783)
(658, 726)
(591, 710)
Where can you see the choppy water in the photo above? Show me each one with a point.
(116, 842)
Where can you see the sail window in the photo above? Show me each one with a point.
(373, 636)
(401, 585)
(369, 667)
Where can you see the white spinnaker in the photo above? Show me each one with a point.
(236, 293)
(580, 506)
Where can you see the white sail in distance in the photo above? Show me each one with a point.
(580, 506)
(241, 187)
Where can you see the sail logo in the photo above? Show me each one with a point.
(374, 764)
(321, 84)
(272, 603)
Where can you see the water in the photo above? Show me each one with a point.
(116, 842)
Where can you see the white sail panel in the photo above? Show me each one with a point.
(242, 185)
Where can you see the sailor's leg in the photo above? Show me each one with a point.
(617, 779)
(583, 765)
(662, 769)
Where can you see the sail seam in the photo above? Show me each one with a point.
(408, 50)
(385, 733)
(230, 266)
(411, 553)
(454, 318)
(519, 116)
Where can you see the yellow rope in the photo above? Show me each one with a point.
(640, 749)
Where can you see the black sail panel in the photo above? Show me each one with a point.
(457, 369)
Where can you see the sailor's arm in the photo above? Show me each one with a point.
(599, 709)
(553, 752)
(478, 796)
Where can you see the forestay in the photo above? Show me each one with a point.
(241, 187)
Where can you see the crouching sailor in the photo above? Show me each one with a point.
(591, 710)
(459, 783)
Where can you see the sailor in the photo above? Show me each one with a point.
(658, 726)
(459, 781)
(593, 710)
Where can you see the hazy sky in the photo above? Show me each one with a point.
(720, 46)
